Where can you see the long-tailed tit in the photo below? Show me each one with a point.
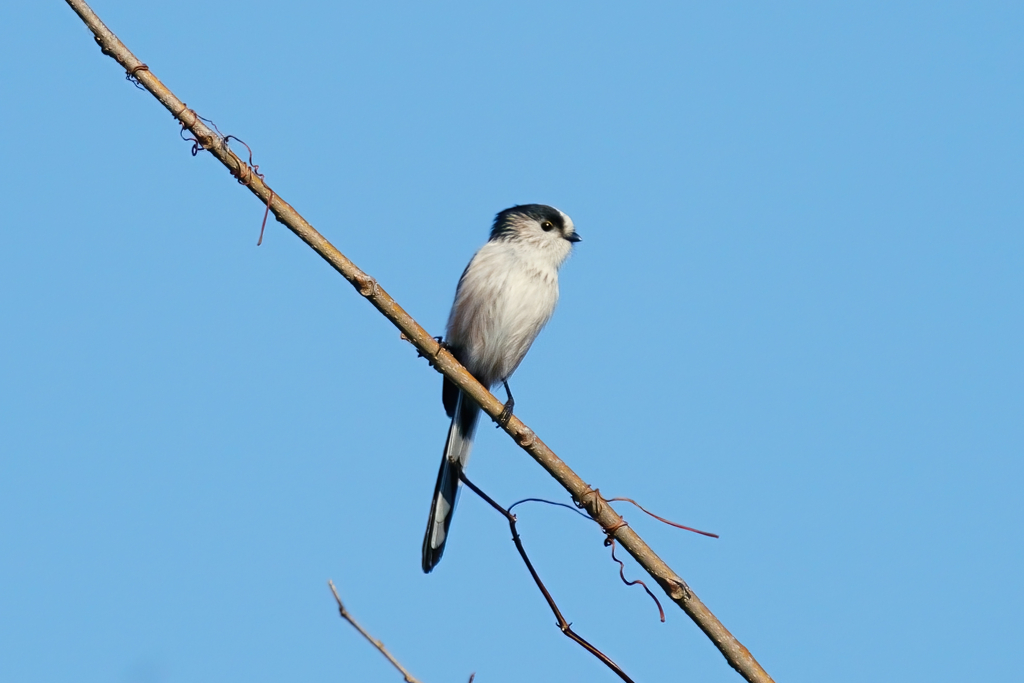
(505, 296)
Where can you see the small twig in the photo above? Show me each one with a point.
(610, 542)
(551, 502)
(409, 678)
(563, 625)
(662, 519)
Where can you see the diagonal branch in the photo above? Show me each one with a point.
(590, 499)
(563, 625)
(409, 678)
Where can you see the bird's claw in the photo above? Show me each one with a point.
(505, 415)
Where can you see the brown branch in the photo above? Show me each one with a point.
(409, 678)
(563, 625)
(673, 585)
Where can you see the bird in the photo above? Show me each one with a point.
(504, 298)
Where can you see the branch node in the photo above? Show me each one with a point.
(200, 143)
(525, 437)
(615, 527)
(103, 47)
(366, 285)
(184, 110)
(591, 501)
(131, 77)
(677, 589)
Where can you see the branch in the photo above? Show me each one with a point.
(563, 625)
(590, 499)
(609, 541)
(409, 678)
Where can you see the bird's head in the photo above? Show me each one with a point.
(538, 225)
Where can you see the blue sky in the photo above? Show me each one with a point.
(795, 320)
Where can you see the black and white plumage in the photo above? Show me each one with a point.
(505, 297)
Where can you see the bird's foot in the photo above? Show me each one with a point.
(506, 414)
(442, 345)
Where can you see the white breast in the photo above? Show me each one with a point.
(505, 298)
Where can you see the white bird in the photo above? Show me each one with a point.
(504, 298)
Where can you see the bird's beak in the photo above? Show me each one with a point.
(574, 237)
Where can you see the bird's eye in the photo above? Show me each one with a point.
(547, 225)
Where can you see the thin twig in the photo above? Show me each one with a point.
(549, 502)
(563, 625)
(662, 519)
(610, 542)
(409, 678)
(590, 499)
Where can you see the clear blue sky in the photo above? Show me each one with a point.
(796, 320)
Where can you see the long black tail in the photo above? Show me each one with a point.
(456, 455)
